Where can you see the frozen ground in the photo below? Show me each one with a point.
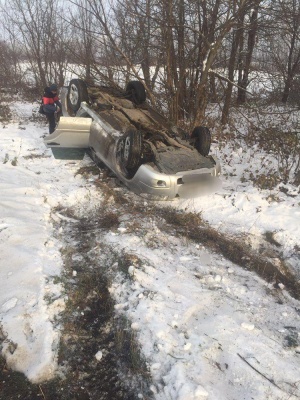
(208, 329)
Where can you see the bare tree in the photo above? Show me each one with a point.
(10, 73)
(40, 34)
(83, 43)
(168, 44)
(246, 54)
(173, 46)
(288, 15)
(236, 39)
(281, 40)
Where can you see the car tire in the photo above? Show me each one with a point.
(92, 154)
(77, 93)
(202, 139)
(132, 150)
(136, 92)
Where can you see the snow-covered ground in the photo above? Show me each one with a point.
(247, 211)
(208, 329)
(32, 182)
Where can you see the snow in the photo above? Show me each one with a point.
(98, 355)
(202, 313)
(208, 328)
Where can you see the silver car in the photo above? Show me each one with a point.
(120, 129)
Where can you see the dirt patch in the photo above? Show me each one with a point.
(99, 356)
(36, 156)
(100, 365)
(5, 114)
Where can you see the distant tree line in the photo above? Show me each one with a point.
(187, 53)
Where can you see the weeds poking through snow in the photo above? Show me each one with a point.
(128, 347)
(233, 249)
(6, 158)
(126, 261)
(14, 161)
(89, 321)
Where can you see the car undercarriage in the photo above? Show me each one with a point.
(137, 143)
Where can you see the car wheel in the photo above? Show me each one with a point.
(92, 154)
(202, 139)
(131, 150)
(77, 92)
(136, 92)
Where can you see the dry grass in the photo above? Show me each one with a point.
(5, 114)
(87, 171)
(36, 156)
(125, 260)
(192, 227)
(129, 348)
(103, 220)
(232, 248)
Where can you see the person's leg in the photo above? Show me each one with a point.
(52, 123)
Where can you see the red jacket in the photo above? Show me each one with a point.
(50, 101)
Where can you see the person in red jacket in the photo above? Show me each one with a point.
(51, 106)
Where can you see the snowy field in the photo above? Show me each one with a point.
(208, 329)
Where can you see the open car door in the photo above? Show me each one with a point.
(70, 140)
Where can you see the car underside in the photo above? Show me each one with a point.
(137, 143)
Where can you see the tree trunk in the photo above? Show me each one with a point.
(231, 68)
(145, 28)
(289, 79)
(241, 97)
(171, 71)
(287, 88)
(212, 89)
(181, 89)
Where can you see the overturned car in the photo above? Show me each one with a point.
(120, 129)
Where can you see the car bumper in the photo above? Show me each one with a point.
(185, 184)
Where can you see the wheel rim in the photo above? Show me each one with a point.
(126, 149)
(73, 95)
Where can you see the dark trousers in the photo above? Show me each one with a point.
(51, 121)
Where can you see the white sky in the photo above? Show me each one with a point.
(204, 313)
